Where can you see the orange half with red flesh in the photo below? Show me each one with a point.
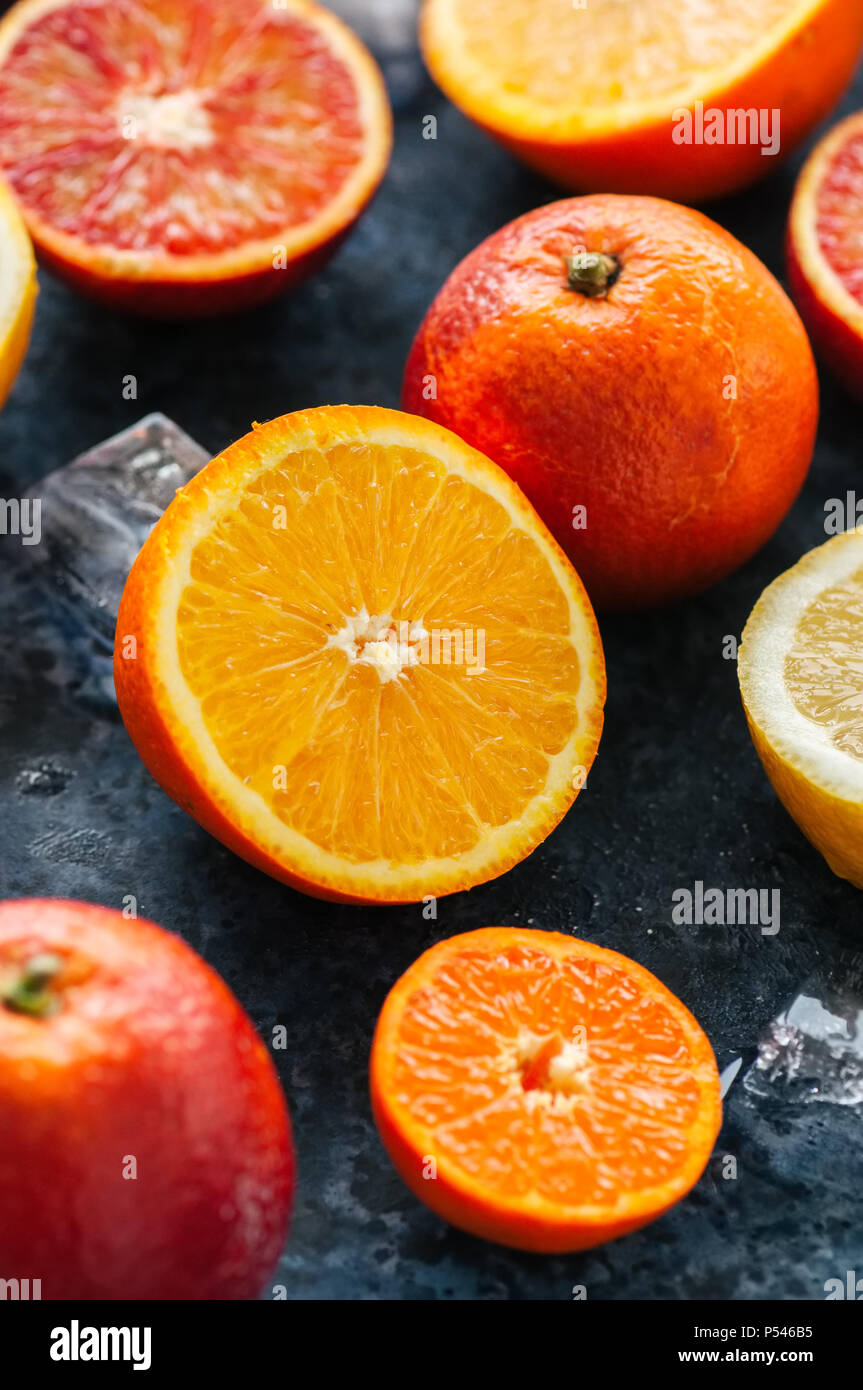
(181, 157)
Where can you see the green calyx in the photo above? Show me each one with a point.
(591, 273)
(29, 991)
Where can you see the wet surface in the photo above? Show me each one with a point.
(677, 794)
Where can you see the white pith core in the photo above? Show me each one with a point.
(563, 1077)
(175, 120)
(376, 641)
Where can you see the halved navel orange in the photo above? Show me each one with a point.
(540, 1091)
(351, 649)
(684, 101)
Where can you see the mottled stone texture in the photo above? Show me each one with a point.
(677, 793)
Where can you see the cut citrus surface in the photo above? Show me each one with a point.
(825, 249)
(801, 678)
(187, 156)
(17, 291)
(540, 1091)
(352, 651)
(592, 94)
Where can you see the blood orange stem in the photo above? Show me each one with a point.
(591, 272)
(29, 992)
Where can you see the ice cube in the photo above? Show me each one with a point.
(97, 511)
(813, 1049)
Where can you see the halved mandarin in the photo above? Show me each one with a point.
(801, 678)
(540, 1091)
(182, 157)
(825, 249)
(351, 649)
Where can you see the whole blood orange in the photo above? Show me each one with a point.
(642, 377)
(145, 1148)
(825, 254)
(353, 652)
(540, 1091)
(686, 101)
(179, 157)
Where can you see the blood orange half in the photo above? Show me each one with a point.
(178, 157)
(825, 250)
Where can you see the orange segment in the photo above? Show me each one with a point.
(360, 659)
(559, 1094)
(591, 93)
(193, 141)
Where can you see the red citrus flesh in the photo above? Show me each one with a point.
(825, 250)
(182, 156)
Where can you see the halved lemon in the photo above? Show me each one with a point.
(17, 291)
(801, 677)
(351, 649)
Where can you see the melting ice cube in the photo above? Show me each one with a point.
(97, 511)
(813, 1049)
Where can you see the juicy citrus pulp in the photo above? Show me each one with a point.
(825, 255)
(801, 677)
(17, 291)
(563, 1093)
(597, 95)
(184, 139)
(611, 60)
(839, 210)
(375, 672)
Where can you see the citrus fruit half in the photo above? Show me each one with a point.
(647, 96)
(801, 678)
(540, 1091)
(611, 354)
(145, 1149)
(825, 252)
(353, 652)
(177, 157)
(17, 291)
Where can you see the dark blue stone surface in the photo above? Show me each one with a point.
(677, 793)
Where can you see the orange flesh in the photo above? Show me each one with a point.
(550, 1074)
(608, 51)
(243, 122)
(345, 602)
(839, 214)
(824, 669)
